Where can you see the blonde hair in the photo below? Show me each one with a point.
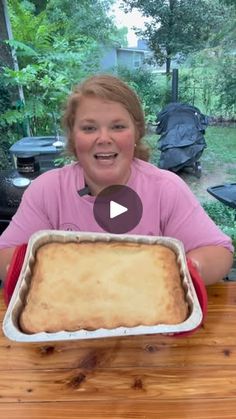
(111, 88)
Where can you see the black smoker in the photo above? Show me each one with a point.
(30, 157)
(181, 128)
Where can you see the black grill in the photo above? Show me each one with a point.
(31, 156)
(11, 190)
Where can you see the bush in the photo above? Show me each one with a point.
(151, 88)
(5, 132)
(224, 217)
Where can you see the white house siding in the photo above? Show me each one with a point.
(108, 59)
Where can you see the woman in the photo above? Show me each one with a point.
(105, 126)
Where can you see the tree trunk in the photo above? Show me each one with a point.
(5, 52)
(168, 62)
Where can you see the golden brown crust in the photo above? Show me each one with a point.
(103, 285)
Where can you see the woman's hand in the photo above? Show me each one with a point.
(5, 260)
(212, 262)
(196, 265)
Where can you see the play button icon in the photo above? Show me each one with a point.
(118, 209)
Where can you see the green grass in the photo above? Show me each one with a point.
(221, 148)
(221, 144)
(152, 141)
(219, 158)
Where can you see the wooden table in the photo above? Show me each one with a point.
(129, 377)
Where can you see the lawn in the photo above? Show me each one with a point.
(221, 144)
(218, 166)
(218, 160)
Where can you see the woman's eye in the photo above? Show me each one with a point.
(88, 128)
(119, 127)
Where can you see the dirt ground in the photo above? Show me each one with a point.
(208, 179)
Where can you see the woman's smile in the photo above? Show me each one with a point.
(106, 159)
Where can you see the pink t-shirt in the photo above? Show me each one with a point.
(169, 208)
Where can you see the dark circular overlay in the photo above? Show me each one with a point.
(113, 200)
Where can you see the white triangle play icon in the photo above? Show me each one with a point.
(116, 209)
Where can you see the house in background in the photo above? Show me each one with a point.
(130, 57)
(133, 58)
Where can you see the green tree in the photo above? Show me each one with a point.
(39, 5)
(226, 86)
(56, 48)
(83, 17)
(178, 27)
(150, 88)
(230, 2)
(223, 41)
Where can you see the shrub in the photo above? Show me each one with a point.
(224, 217)
(151, 88)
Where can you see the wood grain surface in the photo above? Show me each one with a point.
(129, 377)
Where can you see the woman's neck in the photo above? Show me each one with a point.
(95, 188)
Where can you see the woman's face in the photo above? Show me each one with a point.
(104, 136)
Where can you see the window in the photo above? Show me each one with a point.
(137, 59)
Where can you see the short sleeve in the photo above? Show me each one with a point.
(185, 219)
(30, 217)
